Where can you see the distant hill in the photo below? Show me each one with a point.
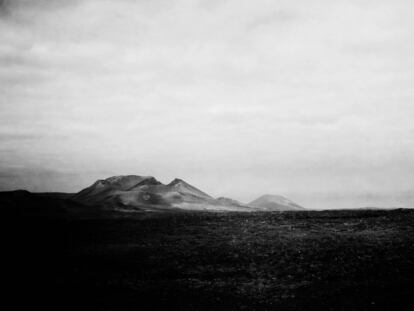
(22, 202)
(274, 203)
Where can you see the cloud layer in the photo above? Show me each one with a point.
(238, 97)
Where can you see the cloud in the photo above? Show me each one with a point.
(275, 94)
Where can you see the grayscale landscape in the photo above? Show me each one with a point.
(207, 155)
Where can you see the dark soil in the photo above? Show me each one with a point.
(330, 260)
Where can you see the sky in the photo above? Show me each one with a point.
(313, 100)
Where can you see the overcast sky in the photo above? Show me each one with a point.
(310, 99)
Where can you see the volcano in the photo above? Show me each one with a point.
(270, 202)
(147, 193)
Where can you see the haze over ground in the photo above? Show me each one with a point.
(308, 99)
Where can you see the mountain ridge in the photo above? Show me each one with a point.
(146, 192)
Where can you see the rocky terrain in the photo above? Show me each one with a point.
(292, 260)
